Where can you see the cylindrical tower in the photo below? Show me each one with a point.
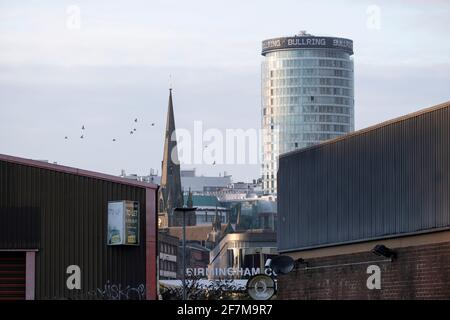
(307, 96)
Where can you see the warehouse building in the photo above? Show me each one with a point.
(67, 233)
(367, 215)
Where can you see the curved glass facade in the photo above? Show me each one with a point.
(307, 97)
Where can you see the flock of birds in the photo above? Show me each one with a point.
(132, 131)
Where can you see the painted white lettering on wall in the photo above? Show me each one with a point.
(223, 272)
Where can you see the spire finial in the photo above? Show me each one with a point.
(170, 82)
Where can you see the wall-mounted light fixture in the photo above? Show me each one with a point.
(300, 263)
(383, 251)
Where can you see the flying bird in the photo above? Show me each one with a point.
(66, 137)
(114, 140)
(82, 137)
(136, 120)
(134, 129)
(153, 124)
(82, 128)
(131, 132)
(214, 163)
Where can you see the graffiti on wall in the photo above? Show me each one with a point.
(112, 291)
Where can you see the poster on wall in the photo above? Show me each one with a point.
(123, 223)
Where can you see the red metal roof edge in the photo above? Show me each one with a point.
(370, 128)
(76, 171)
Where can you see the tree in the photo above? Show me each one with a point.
(202, 289)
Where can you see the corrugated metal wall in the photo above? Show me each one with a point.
(394, 179)
(12, 276)
(64, 216)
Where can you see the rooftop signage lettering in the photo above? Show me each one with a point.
(306, 42)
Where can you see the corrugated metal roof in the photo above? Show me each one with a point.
(75, 171)
(371, 128)
(389, 180)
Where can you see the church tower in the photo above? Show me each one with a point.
(170, 195)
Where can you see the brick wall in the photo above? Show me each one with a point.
(420, 272)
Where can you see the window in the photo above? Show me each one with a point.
(230, 257)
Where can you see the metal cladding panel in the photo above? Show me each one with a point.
(66, 215)
(12, 276)
(389, 180)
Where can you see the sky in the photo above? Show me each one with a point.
(101, 64)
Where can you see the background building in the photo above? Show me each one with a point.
(252, 213)
(194, 234)
(307, 96)
(207, 207)
(190, 181)
(243, 250)
(168, 255)
(201, 184)
(385, 185)
(197, 256)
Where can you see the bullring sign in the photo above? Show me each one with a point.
(305, 42)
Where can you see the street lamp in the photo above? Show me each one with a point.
(184, 210)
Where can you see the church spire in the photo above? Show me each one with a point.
(170, 194)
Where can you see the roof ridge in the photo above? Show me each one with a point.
(75, 171)
(372, 128)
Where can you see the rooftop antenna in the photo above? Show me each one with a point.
(303, 33)
(170, 82)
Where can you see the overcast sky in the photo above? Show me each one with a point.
(57, 75)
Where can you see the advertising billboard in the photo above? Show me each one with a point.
(123, 223)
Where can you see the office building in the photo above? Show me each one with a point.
(168, 255)
(307, 96)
